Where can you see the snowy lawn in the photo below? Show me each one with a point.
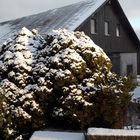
(53, 135)
(136, 92)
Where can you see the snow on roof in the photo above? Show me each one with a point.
(5, 32)
(53, 135)
(68, 17)
(112, 132)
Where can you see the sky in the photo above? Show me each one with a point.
(11, 9)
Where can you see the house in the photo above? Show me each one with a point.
(103, 20)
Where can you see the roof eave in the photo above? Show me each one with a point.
(97, 7)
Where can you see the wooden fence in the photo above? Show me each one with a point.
(112, 134)
(113, 137)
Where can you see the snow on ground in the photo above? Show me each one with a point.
(138, 79)
(53, 135)
(136, 92)
(112, 132)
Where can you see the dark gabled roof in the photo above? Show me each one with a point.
(69, 17)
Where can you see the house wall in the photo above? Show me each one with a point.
(116, 62)
(128, 59)
(138, 59)
(111, 44)
(132, 117)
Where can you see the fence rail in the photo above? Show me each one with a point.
(112, 134)
(112, 137)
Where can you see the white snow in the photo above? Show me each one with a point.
(28, 38)
(112, 132)
(25, 31)
(53, 135)
(8, 55)
(136, 93)
(138, 79)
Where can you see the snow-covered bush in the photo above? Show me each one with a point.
(64, 79)
(85, 91)
(20, 108)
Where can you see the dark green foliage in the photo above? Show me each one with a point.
(63, 82)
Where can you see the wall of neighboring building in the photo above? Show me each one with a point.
(111, 44)
(138, 59)
(133, 116)
(116, 64)
(128, 64)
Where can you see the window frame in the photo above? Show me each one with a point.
(93, 26)
(106, 28)
(118, 30)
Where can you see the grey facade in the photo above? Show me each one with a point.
(128, 63)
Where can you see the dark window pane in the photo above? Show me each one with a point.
(129, 69)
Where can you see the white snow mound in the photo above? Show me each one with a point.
(52, 135)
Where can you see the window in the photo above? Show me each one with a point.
(93, 26)
(106, 24)
(118, 30)
(129, 69)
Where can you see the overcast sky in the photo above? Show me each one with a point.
(11, 9)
